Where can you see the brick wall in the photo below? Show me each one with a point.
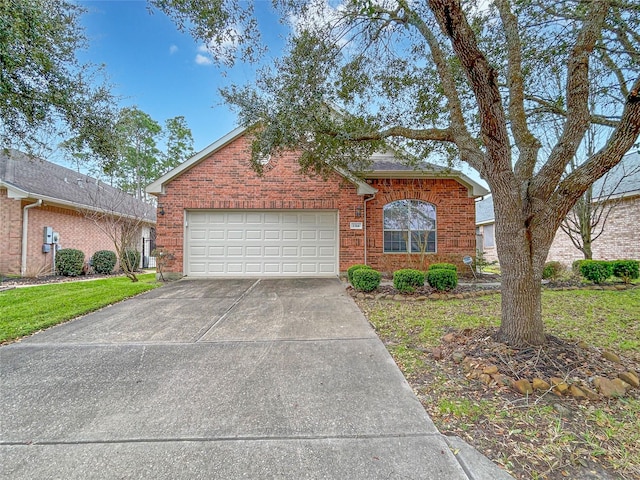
(10, 233)
(76, 231)
(455, 222)
(620, 239)
(225, 180)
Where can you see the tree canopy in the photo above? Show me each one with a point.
(477, 81)
(45, 91)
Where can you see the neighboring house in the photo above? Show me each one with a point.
(36, 194)
(485, 221)
(620, 238)
(219, 218)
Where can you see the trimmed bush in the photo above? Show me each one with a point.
(552, 270)
(366, 279)
(132, 259)
(443, 266)
(626, 270)
(575, 267)
(596, 271)
(442, 279)
(104, 261)
(69, 262)
(407, 280)
(353, 268)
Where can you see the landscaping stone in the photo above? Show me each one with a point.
(540, 384)
(631, 378)
(457, 356)
(621, 384)
(583, 345)
(436, 353)
(449, 338)
(490, 370)
(591, 394)
(608, 388)
(522, 386)
(576, 392)
(484, 378)
(559, 385)
(502, 379)
(612, 357)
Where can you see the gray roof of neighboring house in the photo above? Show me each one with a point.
(623, 179)
(32, 177)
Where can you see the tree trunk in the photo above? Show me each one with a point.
(522, 255)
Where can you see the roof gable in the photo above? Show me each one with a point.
(385, 165)
(26, 176)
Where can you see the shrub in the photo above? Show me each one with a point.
(353, 268)
(104, 261)
(575, 267)
(552, 270)
(69, 262)
(407, 280)
(132, 259)
(443, 266)
(366, 279)
(442, 279)
(626, 270)
(596, 271)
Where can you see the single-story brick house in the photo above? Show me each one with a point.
(619, 239)
(44, 206)
(219, 218)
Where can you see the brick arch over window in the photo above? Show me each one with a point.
(409, 226)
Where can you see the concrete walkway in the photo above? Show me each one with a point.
(219, 379)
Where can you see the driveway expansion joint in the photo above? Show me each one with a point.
(207, 328)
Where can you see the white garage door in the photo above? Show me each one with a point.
(222, 243)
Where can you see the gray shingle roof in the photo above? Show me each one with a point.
(38, 178)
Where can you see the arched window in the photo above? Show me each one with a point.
(409, 226)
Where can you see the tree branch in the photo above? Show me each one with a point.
(577, 93)
(527, 144)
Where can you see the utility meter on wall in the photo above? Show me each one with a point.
(55, 238)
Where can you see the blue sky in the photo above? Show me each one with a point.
(162, 71)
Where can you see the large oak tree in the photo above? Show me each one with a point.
(478, 81)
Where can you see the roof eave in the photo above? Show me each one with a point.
(17, 193)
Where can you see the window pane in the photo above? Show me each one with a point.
(396, 215)
(422, 216)
(423, 242)
(395, 241)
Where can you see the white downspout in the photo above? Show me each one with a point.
(365, 226)
(25, 231)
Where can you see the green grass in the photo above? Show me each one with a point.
(26, 310)
(608, 319)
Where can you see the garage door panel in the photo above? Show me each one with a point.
(261, 243)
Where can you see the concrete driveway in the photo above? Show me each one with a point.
(216, 379)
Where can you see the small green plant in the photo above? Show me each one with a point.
(552, 270)
(596, 271)
(443, 266)
(626, 270)
(480, 262)
(130, 260)
(104, 261)
(366, 279)
(69, 262)
(407, 280)
(442, 279)
(353, 268)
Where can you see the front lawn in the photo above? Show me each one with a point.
(26, 310)
(543, 436)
